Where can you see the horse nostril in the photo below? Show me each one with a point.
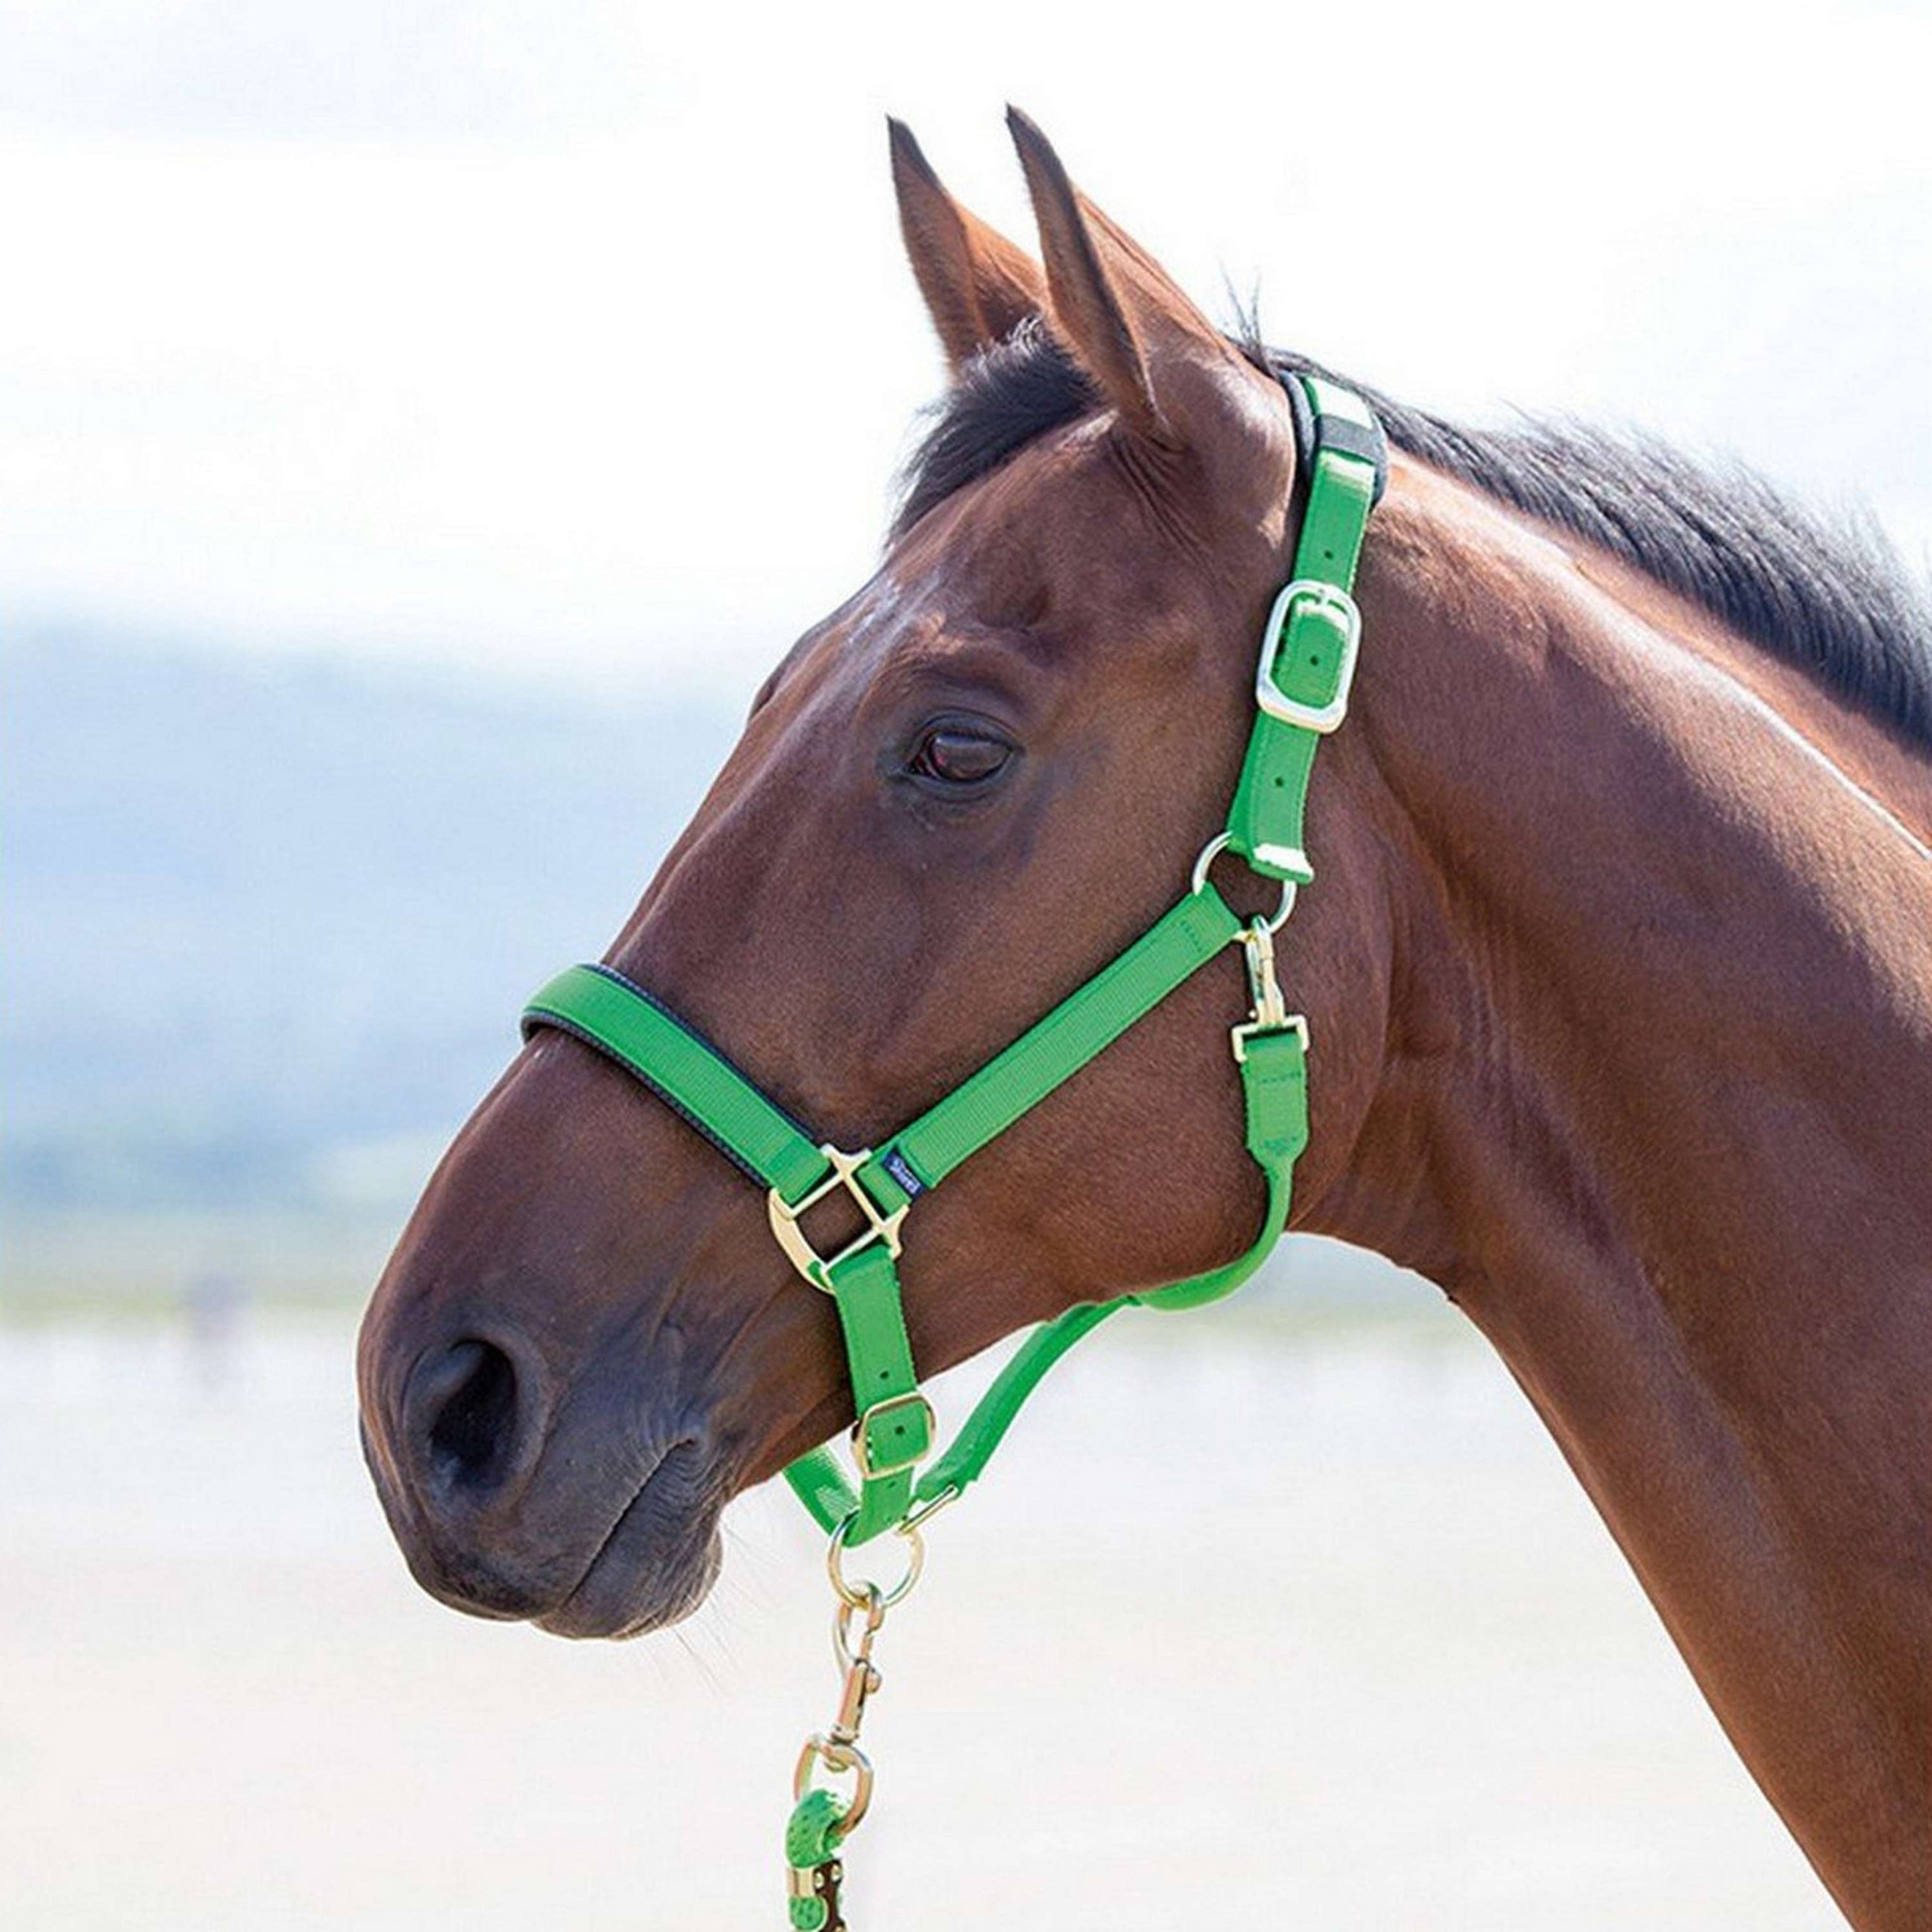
(475, 1415)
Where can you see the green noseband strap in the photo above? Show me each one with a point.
(605, 1010)
(1302, 681)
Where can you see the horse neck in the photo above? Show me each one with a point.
(1656, 1111)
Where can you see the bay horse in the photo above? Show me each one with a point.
(1618, 968)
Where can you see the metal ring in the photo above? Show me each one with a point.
(920, 1514)
(838, 1757)
(1212, 851)
(862, 1594)
(1209, 852)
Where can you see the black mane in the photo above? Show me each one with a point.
(1829, 598)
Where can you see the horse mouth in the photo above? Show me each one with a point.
(656, 1564)
(651, 1567)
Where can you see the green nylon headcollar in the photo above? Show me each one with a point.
(1303, 675)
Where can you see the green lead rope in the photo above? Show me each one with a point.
(1302, 676)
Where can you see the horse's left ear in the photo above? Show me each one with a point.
(979, 288)
(1118, 309)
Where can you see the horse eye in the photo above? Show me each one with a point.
(959, 757)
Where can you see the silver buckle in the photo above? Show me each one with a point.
(1269, 696)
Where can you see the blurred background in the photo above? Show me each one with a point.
(420, 425)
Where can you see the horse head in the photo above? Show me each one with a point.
(957, 796)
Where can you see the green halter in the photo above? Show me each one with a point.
(1307, 660)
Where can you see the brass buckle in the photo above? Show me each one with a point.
(784, 1215)
(861, 1452)
(1239, 1036)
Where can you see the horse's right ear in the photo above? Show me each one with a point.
(978, 287)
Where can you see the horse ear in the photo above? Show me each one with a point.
(978, 287)
(1119, 311)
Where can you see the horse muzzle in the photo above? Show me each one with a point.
(513, 1500)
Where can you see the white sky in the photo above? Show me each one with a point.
(576, 341)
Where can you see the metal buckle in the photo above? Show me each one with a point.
(1269, 696)
(784, 1215)
(862, 1451)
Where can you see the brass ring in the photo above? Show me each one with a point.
(866, 1594)
(838, 1758)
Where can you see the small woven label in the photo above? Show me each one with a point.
(900, 1168)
